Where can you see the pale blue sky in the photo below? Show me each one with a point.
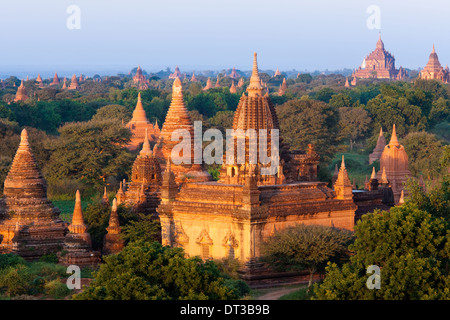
(215, 34)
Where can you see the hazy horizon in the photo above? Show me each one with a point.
(116, 36)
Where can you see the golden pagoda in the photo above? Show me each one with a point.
(178, 118)
(139, 125)
(394, 164)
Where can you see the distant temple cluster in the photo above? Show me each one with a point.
(230, 217)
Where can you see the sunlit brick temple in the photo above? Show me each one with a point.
(380, 64)
(30, 225)
(231, 217)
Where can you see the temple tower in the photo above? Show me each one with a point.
(112, 242)
(394, 161)
(21, 94)
(25, 207)
(74, 85)
(77, 248)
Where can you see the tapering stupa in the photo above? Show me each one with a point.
(177, 118)
(277, 73)
(208, 85)
(434, 70)
(139, 125)
(394, 161)
(193, 78)
(217, 85)
(112, 242)
(39, 81)
(283, 88)
(55, 81)
(21, 94)
(77, 248)
(240, 83)
(30, 225)
(232, 88)
(74, 85)
(381, 143)
(64, 83)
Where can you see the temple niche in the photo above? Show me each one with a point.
(433, 70)
(30, 225)
(233, 216)
(379, 64)
(140, 126)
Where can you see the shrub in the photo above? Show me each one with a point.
(56, 289)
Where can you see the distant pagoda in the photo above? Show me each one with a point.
(434, 70)
(74, 85)
(139, 125)
(21, 94)
(380, 64)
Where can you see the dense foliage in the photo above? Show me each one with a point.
(150, 271)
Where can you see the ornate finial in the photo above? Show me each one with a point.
(146, 150)
(343, 162)
(381, 131)
(402, 198)
(24, 138)
(394, 139)
(373, 173)
(433, 51)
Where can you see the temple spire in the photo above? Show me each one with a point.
(254, 88)
(77, 225)
(139, 114)
(373, 176)
(394, 140)
(146, 150)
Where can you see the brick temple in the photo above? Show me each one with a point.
(433, 70)
(380, 64)
(30, 225)
(233, 216)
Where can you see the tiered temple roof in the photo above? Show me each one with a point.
(434, 70)
(177, 118)
(380, 64)
(176, 73)
(25, 207)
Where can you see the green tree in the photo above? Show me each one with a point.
(90, 151)
(409, 245)
(306, 246)
(150, 271)
(310, 121)
(424, 152)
